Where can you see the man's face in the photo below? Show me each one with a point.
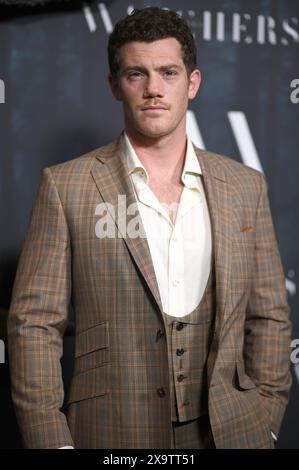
(153, 87)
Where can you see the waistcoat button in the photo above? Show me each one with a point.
(179, 326)
(181, 377)
(161, 392)
(180, 352)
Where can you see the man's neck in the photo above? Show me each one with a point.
(162, 158)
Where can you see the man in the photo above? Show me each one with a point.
(169, 258)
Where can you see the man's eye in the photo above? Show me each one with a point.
(134, 74)
(170, 73)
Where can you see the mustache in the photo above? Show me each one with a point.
(157, 104)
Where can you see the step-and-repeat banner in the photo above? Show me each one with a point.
(55, 104)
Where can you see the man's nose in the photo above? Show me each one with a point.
(154, 86)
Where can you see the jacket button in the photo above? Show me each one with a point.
(180, 352)
(161, 392)
(160, 333)
(179, 326)
(180, 377)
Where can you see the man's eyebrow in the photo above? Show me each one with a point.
(140, 68)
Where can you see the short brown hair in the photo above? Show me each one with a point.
(147, 25)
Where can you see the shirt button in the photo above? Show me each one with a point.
(161, 392)
(180, 352)
(179, 326)
(175, 282)
(180, 377)
(174, 239)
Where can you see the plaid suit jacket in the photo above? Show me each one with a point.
(119, 396)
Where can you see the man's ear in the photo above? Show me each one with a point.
(115, 88)
(194, 83)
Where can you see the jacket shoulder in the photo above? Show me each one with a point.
(83, 163)
(232, 170)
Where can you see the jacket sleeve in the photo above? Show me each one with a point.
(268, 328)
(37, 321)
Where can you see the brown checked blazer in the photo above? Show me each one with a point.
(121, 362)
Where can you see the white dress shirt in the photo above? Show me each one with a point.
(180, 251)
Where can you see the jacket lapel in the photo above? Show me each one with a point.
(219, 200)
(111, 177)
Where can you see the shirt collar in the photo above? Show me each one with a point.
(191, 168)
(134, 165)
(190, 171)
